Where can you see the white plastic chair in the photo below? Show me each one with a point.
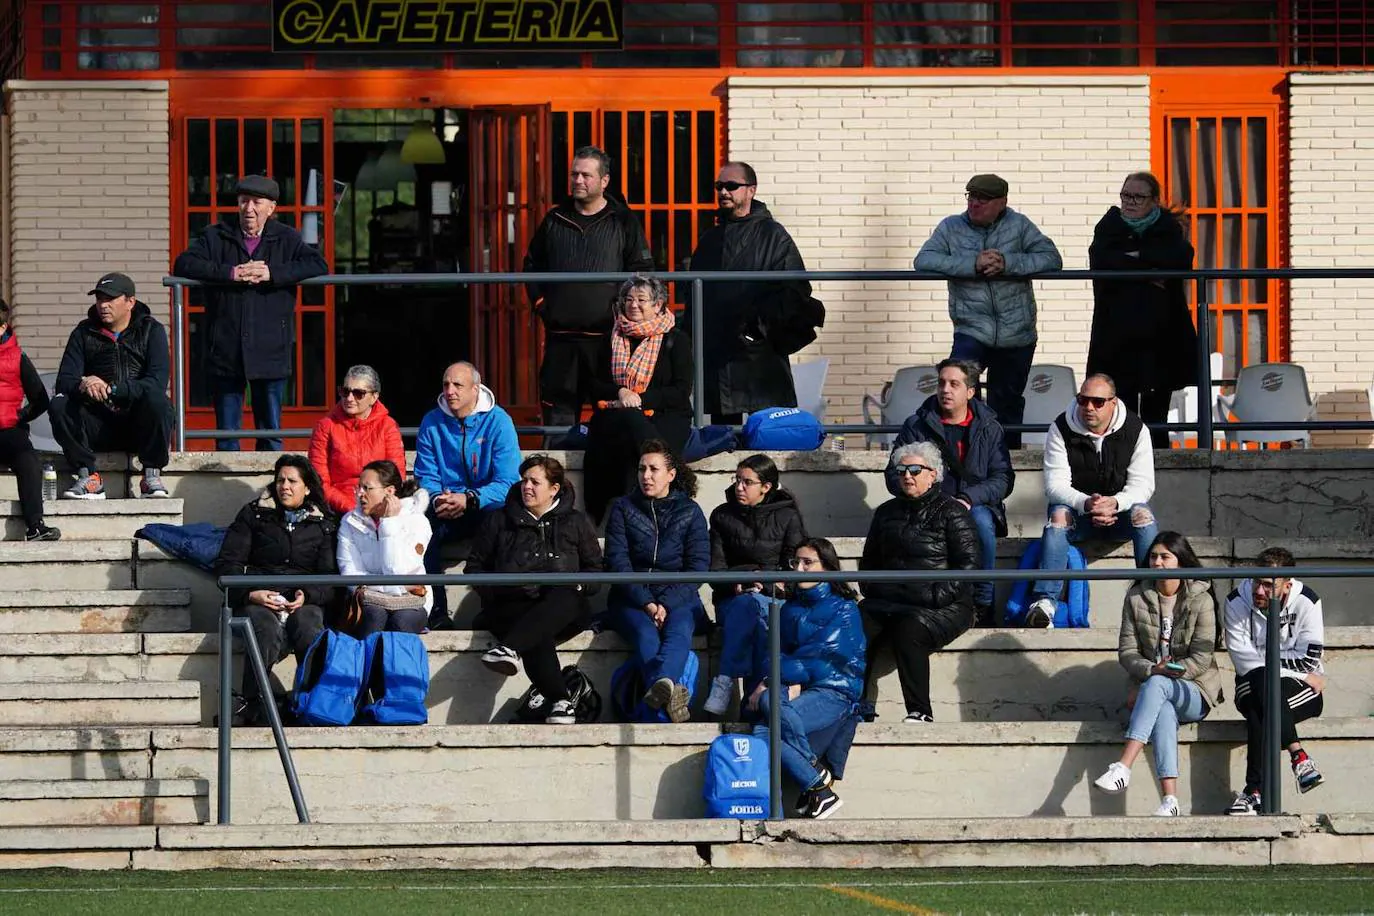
(1269, 392)
(1049, 389)
(809, 381)
(900, 399)
(1183, 406)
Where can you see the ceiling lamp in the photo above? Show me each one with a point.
(422, 147)
(367, 175)
(391, 169)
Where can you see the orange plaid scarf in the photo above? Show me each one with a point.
(633, 370)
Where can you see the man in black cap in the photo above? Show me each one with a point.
(111, 390)
(994, 320)
(254, 263)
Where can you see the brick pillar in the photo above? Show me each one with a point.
(88, 170)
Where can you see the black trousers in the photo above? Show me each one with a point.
(534, 627)
(276, 640)
(565, 376)
(16, 450)
(913, 641)
(1300, 703)
(1152, 405)
(83, 427)
(378, 619)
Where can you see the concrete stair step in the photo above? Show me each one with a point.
(94, 611)
(102, 802)
(102, 565)
(75, 753)
(112, 703)
(96, 519)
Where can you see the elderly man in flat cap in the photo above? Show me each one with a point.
(254, 263)
(994, 320)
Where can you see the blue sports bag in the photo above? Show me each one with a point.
(329, 681)
(737, 777)
(397, 679)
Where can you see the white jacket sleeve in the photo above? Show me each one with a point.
(1302, 651)
(1140, 475)
(348, 553)
(1240, 643)
(1058, 479)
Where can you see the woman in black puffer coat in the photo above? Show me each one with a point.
(288, 530)
(758, 527)
(921, 529)
(539, 530)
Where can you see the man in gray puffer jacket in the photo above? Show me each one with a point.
(994, 320)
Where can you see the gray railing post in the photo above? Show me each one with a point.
(698, 356)
(1205, 396)
(1271, 793)
(226, 705)
(179, 363)
(775, 689)
(253, 656)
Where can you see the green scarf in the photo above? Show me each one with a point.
(1138, 226)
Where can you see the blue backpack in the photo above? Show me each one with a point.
(396, 679)
(1072, 613)
(627, 691)
(737, 778)
(781, 429)
(329, 680)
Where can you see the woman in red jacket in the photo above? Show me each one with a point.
(357, 431)
(22, 399)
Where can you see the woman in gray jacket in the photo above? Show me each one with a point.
(1168, 639)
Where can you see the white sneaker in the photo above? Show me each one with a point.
(722, 691)
(1168, 807)
(1115, 780)
(1041, 614)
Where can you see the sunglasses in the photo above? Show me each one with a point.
(731, 185)
(358, 393)
(1086, 401)
(911, 470)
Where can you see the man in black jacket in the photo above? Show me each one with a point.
(111, 390)
(251, 324)
(977, 461)
(589, 232)
(750, 328)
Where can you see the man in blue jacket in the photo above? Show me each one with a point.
(467, 457)
(250, 313)
(976, 455)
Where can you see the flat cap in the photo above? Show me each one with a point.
(993, 186)
(114, 286)
(258, 186)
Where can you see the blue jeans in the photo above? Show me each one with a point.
(1054, 543)
(986, 524)
(1162, 704)
(816, 708)
(741, 617)
(1008, 369)
(267, 396)
(659, 653)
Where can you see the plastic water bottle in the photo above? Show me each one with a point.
(49, 482)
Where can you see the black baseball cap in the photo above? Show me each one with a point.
(113, 285)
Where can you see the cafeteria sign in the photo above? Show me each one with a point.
(321, 26)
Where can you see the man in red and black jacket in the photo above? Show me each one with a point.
(587, 233)
(22, 400)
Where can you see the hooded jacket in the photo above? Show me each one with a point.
(261, 541)
(823, 642)
(512, 540)
(1301, 631)
(610, 241)
(250, 327)
(984, 477)
(479, 452)
(393, 546)
(19, 381)
(1140, 473)
(341, 446)
(656, 535)
(996, 313)
(135, 364)
(1192, 642)
(754, 537)
(744, 368)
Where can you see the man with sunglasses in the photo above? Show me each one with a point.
(994, 319)
(1099, 477)
(1302, 677)
(750, 328)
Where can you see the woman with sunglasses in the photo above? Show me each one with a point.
(758, 527)
(383, 536)
(358, 430)
(921, 529)
(1143, 334)
(823, 649)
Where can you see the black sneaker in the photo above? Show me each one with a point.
(824, 802)
(564, 712)
(43, 533)
(1246, 803)
(502, 660)
(804, 800)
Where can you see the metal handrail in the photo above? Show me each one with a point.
(1204, 427)
(1270, 795)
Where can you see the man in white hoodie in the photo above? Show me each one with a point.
(1099, 477)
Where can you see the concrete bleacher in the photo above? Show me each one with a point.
(108, 686)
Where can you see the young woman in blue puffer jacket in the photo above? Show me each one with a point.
(823, 649)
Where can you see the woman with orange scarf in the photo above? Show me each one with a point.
(643, 391)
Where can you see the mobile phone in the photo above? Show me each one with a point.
(1175, 666)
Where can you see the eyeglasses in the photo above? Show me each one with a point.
(804, 563)
(361, 488)
(911, 470)
(1268, 585)
(358, 393)
(976, 198)
(1089, 401)
(1135, 198)
(746, 482)
(731, 185)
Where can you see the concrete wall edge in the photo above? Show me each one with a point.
(922, 82)
(87, 85)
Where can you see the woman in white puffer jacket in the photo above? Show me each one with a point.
(387, 533)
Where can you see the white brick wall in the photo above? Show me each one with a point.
(1331, 181)
(861, 169)
(88, 193)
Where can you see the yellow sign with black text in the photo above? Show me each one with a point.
(322, 26)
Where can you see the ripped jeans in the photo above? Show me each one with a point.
(1136, 524)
